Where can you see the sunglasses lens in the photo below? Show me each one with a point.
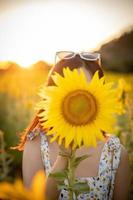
(90, 56)
(65, 54)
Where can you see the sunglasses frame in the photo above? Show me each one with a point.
(80, 54)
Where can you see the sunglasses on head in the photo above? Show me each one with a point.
(83, 55)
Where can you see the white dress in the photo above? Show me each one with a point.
(101, 186)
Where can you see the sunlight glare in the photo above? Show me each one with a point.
(37, 31)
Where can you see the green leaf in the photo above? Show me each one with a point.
(59, 176)
(77, 160)
(62, 186)
(64, 154)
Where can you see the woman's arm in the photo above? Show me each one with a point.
(122, 181)
(32, 162)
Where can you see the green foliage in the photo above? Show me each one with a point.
(5, 160)
(59, 176)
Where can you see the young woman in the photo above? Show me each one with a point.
(107, 167)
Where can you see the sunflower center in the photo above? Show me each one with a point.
(79, 107)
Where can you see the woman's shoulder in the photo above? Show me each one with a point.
(32, 145)
(31, 158)
(33, 139)
(34, 133)
(113, 142)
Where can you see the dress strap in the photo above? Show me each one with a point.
(114, 146)
(109, 162)
(45, 153)
(111, 150)
(32, 134)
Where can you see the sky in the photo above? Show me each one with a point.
(33, 30)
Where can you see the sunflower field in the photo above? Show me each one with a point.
(18, 96)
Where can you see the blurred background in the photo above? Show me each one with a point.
(31, 31)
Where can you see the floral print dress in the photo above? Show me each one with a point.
(101, 186)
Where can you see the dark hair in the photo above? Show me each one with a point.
(76, 62)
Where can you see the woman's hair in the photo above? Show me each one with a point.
(76, 62)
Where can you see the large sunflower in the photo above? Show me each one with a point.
(77, 110)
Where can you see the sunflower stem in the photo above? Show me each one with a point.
(71, 174)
